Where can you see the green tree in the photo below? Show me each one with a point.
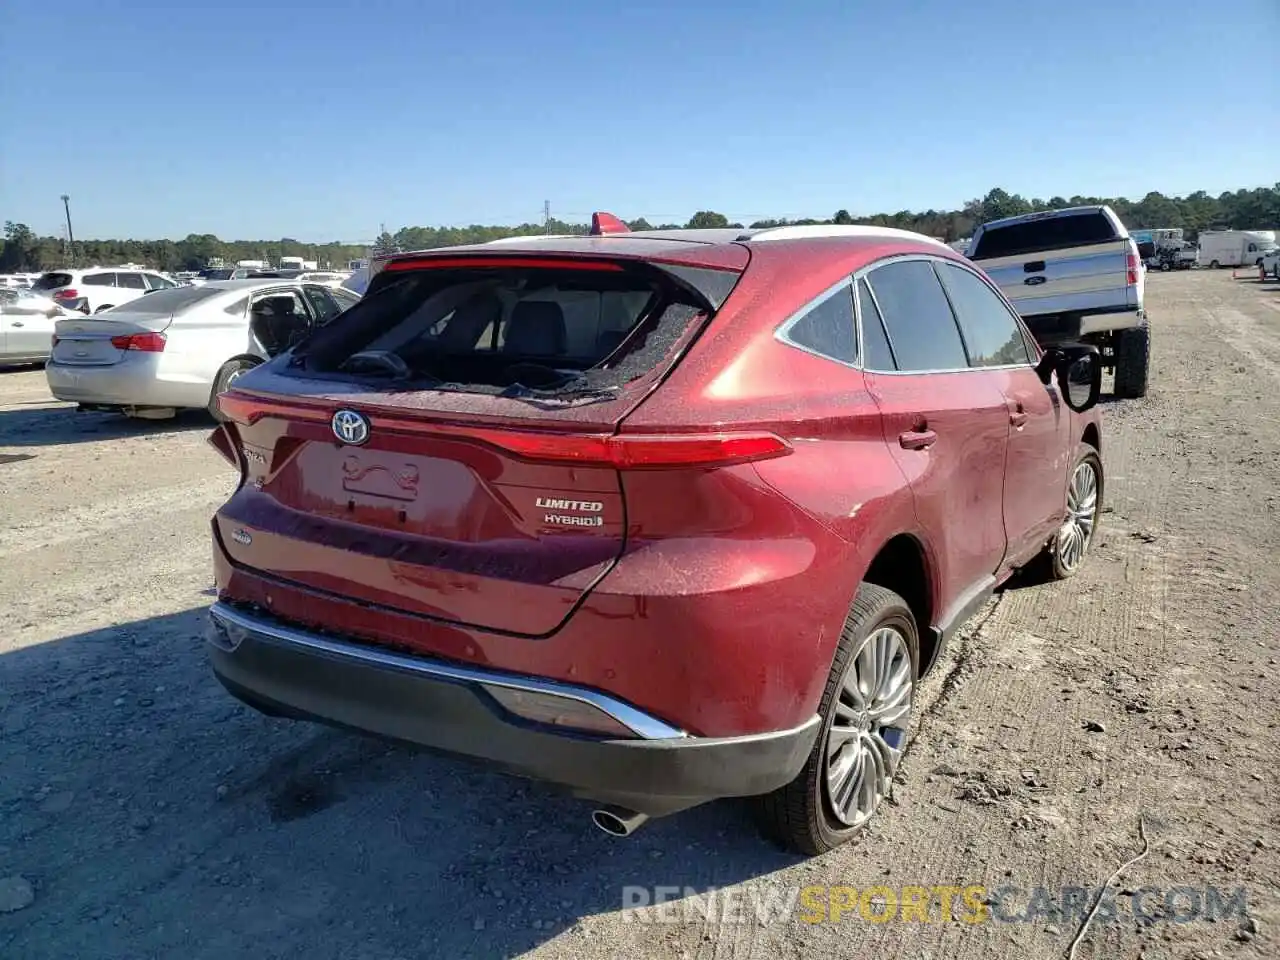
(19, 247)
(707, 219)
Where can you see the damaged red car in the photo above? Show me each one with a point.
(659, 518)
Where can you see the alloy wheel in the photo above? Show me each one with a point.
(869, 729)
(1076, 532)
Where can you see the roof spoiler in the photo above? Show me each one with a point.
(603, 224)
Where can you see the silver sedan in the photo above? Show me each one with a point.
(180, 348)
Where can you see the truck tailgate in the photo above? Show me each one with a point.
(1085, 279)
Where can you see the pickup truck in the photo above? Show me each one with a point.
(1075, 277)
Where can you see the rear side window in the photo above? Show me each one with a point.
(990, 331)
(51, 281)
(917, 316)
(877, 354)
(100, 279)
(827, 327)
(1047, 233)
(498, 328)
(130, 281)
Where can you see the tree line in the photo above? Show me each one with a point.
(22, 250)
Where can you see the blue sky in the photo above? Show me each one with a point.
(321, 120)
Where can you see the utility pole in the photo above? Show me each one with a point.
(71, 239)
(546, 216)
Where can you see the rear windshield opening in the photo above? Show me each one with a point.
(1049, 233)
(514, 330)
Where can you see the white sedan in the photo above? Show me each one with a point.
(180, 348)
(26, 326)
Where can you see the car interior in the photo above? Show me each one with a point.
(278, 321)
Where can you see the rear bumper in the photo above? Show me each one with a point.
(1065, 327)
(280, 668)
(135, 381)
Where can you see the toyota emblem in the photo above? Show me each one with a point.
(350, 427)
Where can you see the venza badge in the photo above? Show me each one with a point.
(350, 427)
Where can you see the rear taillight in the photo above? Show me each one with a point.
(623, 451)
(146, 342)
(70, 293)
(640, 452)
(1133, 269)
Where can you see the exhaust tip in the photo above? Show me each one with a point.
(618, 822)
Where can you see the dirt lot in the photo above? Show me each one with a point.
(144, 814)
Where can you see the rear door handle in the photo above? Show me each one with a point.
(1018, 419)
(17, 323)
(917, 439)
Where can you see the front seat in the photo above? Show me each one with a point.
(277, 324)
(536, 329)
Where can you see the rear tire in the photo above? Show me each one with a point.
(858, 761)
(227, 375)
(1213, 264)
(1133, 360)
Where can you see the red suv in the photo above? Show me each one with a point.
(657, 517)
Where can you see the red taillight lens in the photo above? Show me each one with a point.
(68, 294)
(639, 452)
(1133, 268)
(623, 451)
(146, 342)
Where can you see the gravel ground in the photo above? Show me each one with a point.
(143, 813)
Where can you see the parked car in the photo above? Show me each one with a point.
(26, 326)
(328, 278)
(179, 348)
(99, 288)
(658, 517)
(1075, 276)
(1270, 265)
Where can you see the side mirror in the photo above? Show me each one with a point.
(1079, 370)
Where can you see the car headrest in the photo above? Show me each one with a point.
(536, 328)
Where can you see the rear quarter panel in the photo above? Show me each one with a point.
(200, 341)
(840, 477)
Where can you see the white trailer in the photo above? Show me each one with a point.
(1235, 248)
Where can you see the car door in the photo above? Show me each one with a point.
(1039, 445)
(322, 304)
(946, 424)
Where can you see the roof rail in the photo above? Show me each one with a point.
(818, 230)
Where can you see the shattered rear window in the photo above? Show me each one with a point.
(505, 329)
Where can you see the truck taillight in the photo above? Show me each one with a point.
(1132, 277)
(146, 342)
